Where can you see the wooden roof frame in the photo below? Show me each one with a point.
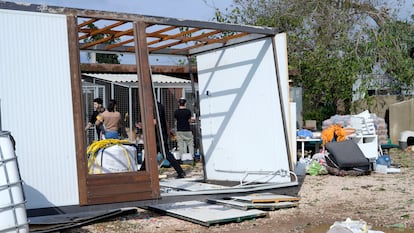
(167, 36)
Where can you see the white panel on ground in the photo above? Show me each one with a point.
(207, 214)
(182, 184)
(243, 128)
(36, 104)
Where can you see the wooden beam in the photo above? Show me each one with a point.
(156, 69)
(217, 40)
(76, 80)
(102, 30)
(124, 68)
(112, 36)
(147, 102)
(86, 22)
(169, 37)
(159, 32)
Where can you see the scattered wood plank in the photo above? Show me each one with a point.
(243, 205)
(272, 198)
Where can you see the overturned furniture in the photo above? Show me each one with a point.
(345, 158)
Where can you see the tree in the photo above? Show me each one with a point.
(107, 58)
(391, 45)
(331, 44)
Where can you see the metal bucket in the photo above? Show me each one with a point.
(13, 216)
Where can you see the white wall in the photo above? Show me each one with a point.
(36, 105)
(241, 114)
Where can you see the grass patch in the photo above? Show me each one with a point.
(403, 158)
(396, 225)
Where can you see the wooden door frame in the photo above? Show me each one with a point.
(116, 187)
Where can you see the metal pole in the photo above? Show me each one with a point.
(1, 129)
(197, 113)
(131, 124)
(193, 95)
(192, 84)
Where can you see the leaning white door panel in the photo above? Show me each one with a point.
(36, 105)
(241, 115)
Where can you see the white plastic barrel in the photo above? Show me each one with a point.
(13, 216)
(116, 158)
(403, 140)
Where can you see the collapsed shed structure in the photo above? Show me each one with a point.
(167, 89)
(243, 95)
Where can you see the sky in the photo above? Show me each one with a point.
(406, 7)
(184, 9)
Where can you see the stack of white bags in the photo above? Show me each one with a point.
(364, 123)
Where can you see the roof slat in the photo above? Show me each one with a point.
(164, 35)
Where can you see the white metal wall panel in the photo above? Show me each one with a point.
(292, 133)
(280, 41)
(282, 68)
(36, 105)
(241, 114)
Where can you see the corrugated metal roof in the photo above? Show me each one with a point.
(132, 79)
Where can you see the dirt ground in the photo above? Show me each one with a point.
(384, 201)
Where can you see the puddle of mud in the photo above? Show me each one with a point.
(323, 228)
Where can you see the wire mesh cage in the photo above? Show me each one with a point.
(128, 104)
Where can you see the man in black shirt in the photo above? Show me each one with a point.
(164, 132)
(97, 105)
(184, 134)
